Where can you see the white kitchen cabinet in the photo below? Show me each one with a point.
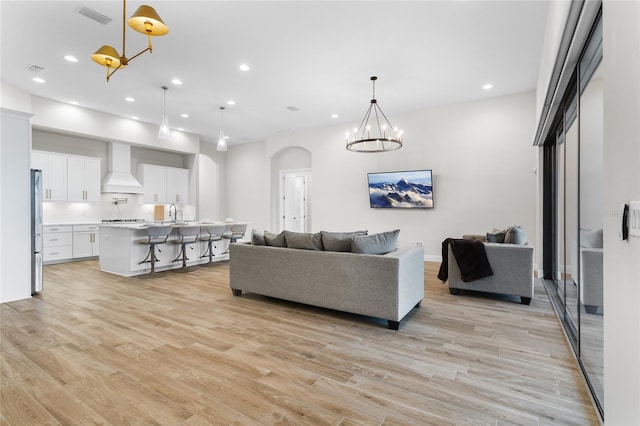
(54, 174)
(86, 241)
(68, 177)
(177, 185)
(83, 179)
(164, 185)
(57, 243)
(154, 183)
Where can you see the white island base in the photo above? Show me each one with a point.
(121, 254)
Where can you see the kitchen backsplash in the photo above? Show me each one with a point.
(112, 206)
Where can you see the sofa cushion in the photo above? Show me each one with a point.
(257, 238)
(516, 235)
(382, 243)
(339, 241)
(299, 240)
(275, 240)
(591, 239)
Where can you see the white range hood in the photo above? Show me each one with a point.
(119, 179)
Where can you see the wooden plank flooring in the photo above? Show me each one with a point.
(178, 348)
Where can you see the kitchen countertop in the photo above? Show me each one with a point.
(74, 222)
(145, 225)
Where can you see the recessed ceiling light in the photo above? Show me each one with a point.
(176, 81)
(487, 86)
(231, 102)
(184, 115)
(244, 67)
(38, 80)
(74, 102)
(135, 117)
(129, 99)
(334, 115)
(181, 129)
(71, 58)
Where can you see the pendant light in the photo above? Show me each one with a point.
(165, 130)
(381, 137)
(222, 141)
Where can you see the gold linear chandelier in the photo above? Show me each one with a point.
(144, 20)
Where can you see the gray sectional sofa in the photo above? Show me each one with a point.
(386, 286)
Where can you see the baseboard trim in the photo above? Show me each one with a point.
(432, 258)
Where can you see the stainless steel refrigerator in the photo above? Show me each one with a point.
(36, 231)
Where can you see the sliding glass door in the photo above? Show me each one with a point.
(573, 212)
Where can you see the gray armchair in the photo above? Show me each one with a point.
(512, 266)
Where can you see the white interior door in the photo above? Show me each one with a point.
(294, 202)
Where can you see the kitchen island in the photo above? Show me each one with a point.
(120, 252)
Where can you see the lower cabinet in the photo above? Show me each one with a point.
(62, 243)
(86, 241)
(57, 243)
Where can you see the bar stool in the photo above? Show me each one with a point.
(156, 235)
(235, 232)
(187, 235)
(211, 234)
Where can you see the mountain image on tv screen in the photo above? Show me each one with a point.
(408, 189)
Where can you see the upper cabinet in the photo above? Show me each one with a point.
(68, 177)
(177, 185)
(83, 179)
(164, 185)
(154, 183)
(54, 174)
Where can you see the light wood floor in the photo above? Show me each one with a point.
(95, 348)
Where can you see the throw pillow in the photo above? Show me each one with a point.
(257, 238)
(339, 241)
(275, 240)
(516, 235)
(382, 243)
(496, 236)
(591, 239)
(299, 240)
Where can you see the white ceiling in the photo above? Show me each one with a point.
(314, 55)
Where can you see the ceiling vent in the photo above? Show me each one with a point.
(34, 68)
(93, 15)
(293, 108)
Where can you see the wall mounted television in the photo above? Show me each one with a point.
(412, 189)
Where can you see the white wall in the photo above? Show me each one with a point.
(480, 153)
(556, 20)
(211, 190)
(66, 118)
(621, 34)
(248, 184)
(15, 205)
(13, 98)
